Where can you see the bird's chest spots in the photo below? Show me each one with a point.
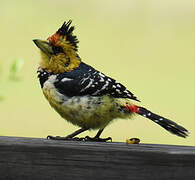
(70, 106)
(82, 103)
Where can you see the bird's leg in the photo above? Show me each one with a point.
(70, 136)
(97, 138)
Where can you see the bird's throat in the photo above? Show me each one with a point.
(59, 63)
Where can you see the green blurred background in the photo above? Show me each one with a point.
(147, 45)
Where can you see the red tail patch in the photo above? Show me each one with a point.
(132, 108)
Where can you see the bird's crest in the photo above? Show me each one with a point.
(65, 34)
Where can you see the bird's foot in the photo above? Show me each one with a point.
(87, 139)
(97, 139)
(133, 141)
(65, 138)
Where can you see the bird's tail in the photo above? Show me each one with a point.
(167, 124)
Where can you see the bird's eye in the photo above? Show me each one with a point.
(57, 49)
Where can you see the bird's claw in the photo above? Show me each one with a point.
(65, 138)
(95, 139)
(86, 139)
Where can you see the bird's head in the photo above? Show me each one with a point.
(59, 51)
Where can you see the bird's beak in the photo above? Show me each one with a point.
(44, 46)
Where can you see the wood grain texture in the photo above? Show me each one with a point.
(36, 158)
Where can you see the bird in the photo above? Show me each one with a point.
(84, 96)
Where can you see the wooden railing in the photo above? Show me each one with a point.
(36, 158)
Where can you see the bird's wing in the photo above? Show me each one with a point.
(92, 83)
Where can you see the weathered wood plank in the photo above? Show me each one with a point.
(36, 158)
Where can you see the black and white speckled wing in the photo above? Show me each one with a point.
(97, 84)
(88, 81)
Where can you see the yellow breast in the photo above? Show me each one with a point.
(84, 111)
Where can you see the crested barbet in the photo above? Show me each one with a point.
(83, 95)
